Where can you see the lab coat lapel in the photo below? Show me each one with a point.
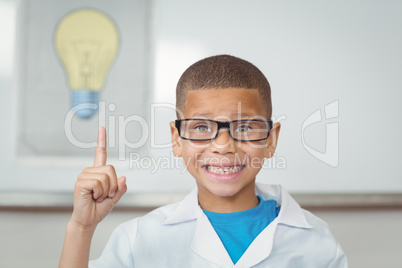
(290, 214)
(207, 243)
(260, 248)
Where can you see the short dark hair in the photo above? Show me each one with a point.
(223, 71)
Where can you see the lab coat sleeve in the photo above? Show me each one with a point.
(340, 260)
(118, 250)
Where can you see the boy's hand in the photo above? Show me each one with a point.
(97, 189)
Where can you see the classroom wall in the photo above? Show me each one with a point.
(334, 69)
(370, 238)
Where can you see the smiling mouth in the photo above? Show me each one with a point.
(224, 170)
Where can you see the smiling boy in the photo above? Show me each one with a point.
(223, 134)
(234, 191)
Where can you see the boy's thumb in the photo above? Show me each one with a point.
(121, 189)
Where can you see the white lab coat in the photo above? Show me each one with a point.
(180, 235)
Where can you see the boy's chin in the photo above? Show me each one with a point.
(224, 191)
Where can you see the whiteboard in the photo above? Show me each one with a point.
(335, 73)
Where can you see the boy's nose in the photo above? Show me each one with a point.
(223, 143)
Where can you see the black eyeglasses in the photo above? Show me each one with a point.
(239, 130)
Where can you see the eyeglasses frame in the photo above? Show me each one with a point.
(223, 125)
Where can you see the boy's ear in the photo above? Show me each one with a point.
(175, 140)
(272, 141)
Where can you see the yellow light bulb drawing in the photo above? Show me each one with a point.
(86, 42)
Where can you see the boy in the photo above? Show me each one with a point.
(223, 133)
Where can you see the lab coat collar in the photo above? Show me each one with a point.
(290, 214)
(187, 210)
(206, 242)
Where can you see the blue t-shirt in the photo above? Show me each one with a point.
(238, 229)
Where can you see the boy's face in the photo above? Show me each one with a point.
(224, 167)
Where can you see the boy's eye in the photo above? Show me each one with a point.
(203, 128)
(243, 128)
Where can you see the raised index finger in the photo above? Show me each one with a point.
(100, 151)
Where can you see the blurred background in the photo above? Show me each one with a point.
(335, 73)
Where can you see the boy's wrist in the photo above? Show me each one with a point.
(78, 228)
(77, 245)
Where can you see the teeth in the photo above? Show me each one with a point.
(219, 170)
